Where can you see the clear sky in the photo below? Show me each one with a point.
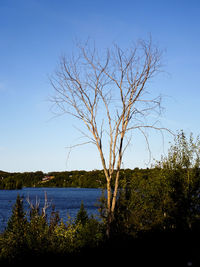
(34, 33)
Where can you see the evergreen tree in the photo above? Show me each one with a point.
(82, 216)
(17, 220)
(14, 238)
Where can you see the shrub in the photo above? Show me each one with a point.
(32, 236)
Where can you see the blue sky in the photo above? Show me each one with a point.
(34, 33)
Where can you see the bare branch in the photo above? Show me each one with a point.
(46, 204)
(108, 94)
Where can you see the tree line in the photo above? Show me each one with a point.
(82, 179)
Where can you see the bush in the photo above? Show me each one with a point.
(34, 237)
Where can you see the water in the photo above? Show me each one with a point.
(66, 200)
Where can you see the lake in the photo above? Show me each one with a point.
(66, 200)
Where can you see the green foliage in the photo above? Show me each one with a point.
(82, 216)
(19, 180)
(182, 169)
(33, 235)
(91, 179)
(142, 203)
(17, 220)
(37, 236)
(183, 154)
(164, 197)
(161, 202)
(13, 240)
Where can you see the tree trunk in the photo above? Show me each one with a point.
(109, 215)
(109, 196)
(114, 199)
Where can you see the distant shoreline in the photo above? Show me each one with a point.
(77, 179)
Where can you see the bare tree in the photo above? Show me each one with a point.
(35, 207)
(108, 94)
